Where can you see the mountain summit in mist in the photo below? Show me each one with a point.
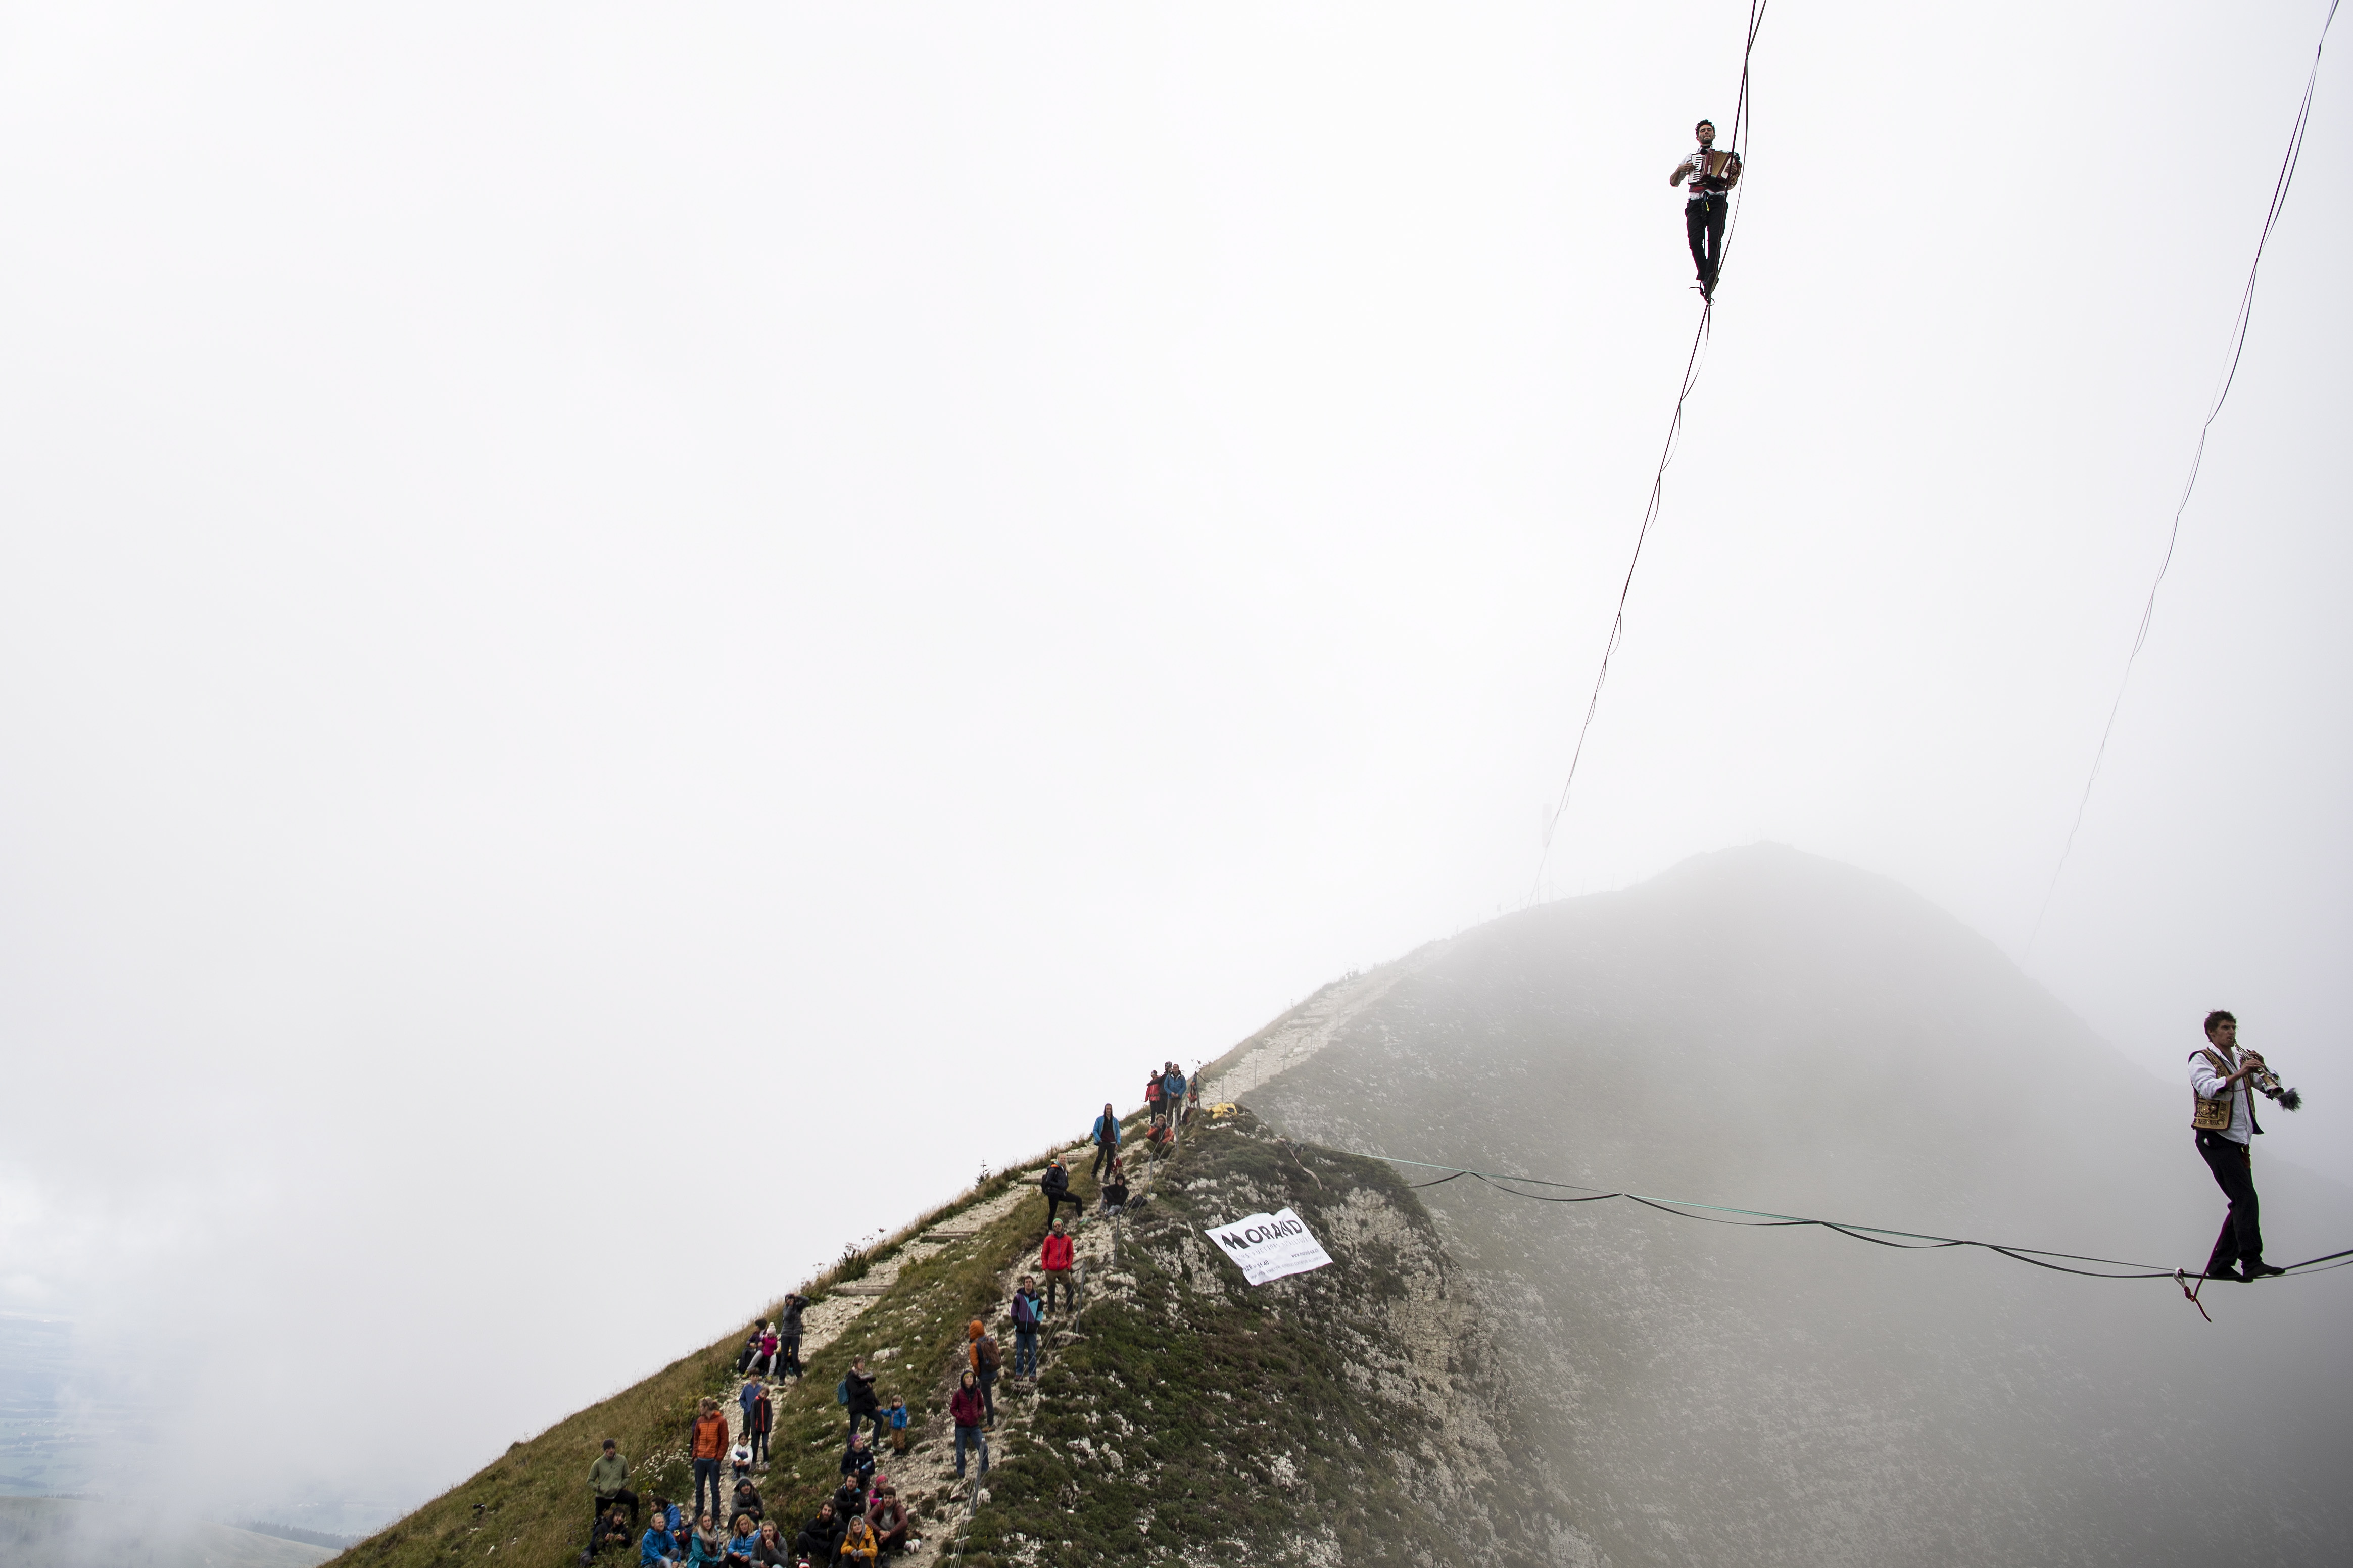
(1769, 1030)
(1479, 1378)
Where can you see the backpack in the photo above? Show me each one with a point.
(841, 1390)
(990, 1357)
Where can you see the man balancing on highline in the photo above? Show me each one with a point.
(1711, 176)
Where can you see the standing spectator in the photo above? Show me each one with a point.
(897, 1416)
(1105, 1134)
(863, 1406)
(708, 1447)
(1056, 1258)
(763, 1418)
(1025, 1327)
(1152, 1095)
(789, 1332)
(1172, 1094)
(609, 1480)
(1056, 1184)
(746, 1397)
(965, 1408)
(987, 1360)
(887, 1515)
(1115, 1189)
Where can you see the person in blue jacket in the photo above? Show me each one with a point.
(1105, 1133)
(1172, 1094)
(659, 1548)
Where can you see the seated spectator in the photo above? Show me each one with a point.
(658, 1548)
(1115, 1189)
(772, 1549)
(612, 1531)
(858, 1461)
(821, 1535)
(706, 1547)
(887, 1515)
(742, 1541)
(848, 1502)
(857, 1543)
(747, 1500)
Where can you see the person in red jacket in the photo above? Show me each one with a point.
(709, 1448)
(965, 1410)
(1056, 1258)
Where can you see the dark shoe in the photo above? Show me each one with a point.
(2259, 1269)
(2226, 1272)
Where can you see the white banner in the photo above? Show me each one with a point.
(1270, 1245)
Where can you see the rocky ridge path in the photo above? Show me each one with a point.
(925, 1475)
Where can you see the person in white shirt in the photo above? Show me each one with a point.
(1710, 199)
(2218, 1072)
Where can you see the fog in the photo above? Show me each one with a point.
(630, 639)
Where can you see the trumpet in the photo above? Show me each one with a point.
(2266, 1083)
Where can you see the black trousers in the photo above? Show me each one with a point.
(2241, 1240)
(1703, 225)
(1104, 1154)
(1054, 1202)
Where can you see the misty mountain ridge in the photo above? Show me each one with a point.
(1769, 1030)
(1479, 1378)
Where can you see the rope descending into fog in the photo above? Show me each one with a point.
(1692, 363)
(1878, 1236)
(2238, 346)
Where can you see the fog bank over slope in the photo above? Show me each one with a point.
(1764, 1029)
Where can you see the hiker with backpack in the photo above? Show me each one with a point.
(967, 1410)
(987, 1360)
(1056, 1184)
(857, 1391)
(761, 1420)
(1026, 1312)
(1056, 1258)
(1105, 1134)
(707, 1446)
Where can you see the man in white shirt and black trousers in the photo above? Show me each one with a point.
(2216, 1073)
(1711, 177)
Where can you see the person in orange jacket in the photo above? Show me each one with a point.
(1056, 1258)
(987, 1358)
(708, 1449)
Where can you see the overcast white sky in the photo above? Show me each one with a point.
(632, 627)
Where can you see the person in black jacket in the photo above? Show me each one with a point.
(820, 1538)
(1056, 1184)
(788, 1330)
(747, 1500)
(863, 1406)
(858, 1462)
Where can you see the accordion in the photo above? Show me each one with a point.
(1715, 170)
